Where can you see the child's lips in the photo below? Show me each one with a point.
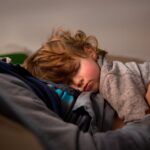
(88, 86)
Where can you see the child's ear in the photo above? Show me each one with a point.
(91, 52)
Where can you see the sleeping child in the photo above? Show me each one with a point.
(76, 60)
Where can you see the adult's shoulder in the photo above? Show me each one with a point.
(22, 95)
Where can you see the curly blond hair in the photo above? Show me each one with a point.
(55, 60)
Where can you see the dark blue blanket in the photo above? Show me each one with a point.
(40, 88)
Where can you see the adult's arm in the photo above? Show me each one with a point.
(68, 136)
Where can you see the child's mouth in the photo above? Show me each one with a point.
(88, 86)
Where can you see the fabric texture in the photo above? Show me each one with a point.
(67, 96)
(63, 100)
(38, 86)
(124, 86)
(17, 130)
(60, 134)
(87, 110)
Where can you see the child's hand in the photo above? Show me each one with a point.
(148, 95)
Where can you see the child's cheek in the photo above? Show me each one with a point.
(93, 72)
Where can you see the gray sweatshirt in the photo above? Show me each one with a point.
(67, 136)
(124, 86)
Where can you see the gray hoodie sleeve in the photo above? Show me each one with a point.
(142, 70)
(124, 87)
(67, 136)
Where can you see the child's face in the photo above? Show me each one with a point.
(88, 76)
